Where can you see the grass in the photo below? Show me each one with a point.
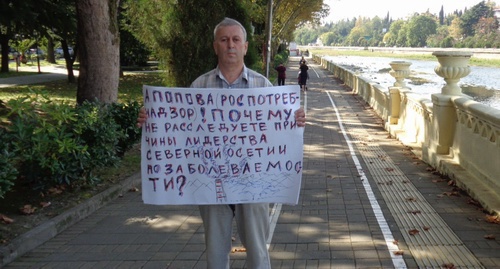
(61, 91)
(412, 56)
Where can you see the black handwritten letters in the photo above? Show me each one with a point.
(211, 146)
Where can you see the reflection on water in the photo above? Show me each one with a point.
(482, 84)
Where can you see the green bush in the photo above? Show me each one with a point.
(56, 143)
(281, 58)
(8, 173)
(125, 115)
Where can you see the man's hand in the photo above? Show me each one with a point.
(142, 117)
(300, 117)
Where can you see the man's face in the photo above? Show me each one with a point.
(229, 45)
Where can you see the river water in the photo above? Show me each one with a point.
(482, 84)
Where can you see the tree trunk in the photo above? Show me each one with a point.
(70, 60)
(4, 43)
(99, 51)
(50, 50)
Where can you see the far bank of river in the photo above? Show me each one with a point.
(483, 83)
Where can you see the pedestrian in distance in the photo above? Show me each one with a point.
(252, 219)
(302, 61)
(281, 74)
(303, 76)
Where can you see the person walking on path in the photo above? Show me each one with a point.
(303, 76)
(252, 220)
(281, 74)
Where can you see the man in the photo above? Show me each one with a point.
(230, 45)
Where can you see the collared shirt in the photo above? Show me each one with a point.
(247, 79)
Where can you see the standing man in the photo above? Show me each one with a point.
(252, 220)
(281, 74)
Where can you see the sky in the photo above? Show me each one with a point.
(398, 9)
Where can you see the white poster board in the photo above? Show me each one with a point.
(221, 146)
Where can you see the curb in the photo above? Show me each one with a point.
(49, 229)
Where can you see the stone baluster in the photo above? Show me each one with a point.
(453, 65)
(400, 70)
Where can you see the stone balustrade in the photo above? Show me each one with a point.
(452, 133)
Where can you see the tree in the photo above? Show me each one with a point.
(288, 15)
(472, 16)
(185, 46)
(441, 16)
(391, 38)
(420, 27)
(16, 17)
(99, 51)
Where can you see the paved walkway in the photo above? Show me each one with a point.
(365, 202)
(48, 73)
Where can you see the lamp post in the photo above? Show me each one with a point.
(269, 27)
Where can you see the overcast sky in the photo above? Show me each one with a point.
(398, 9)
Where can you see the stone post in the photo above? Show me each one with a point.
(453, 65)
(400, 70)
(395, 107)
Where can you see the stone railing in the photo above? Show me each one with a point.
(454, 134)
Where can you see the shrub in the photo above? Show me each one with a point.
(8, 173)
(56, 143)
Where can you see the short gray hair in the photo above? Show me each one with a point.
(230, 22)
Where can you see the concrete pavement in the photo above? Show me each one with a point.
(48, 73)
(366, 201)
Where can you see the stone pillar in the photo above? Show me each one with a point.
(453, 65)
(400, 70)
(395, 107)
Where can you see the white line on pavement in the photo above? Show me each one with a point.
(397, 260)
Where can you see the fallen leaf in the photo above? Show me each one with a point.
(238, 250)
(395, 242)
(451, 183)
(426, 228)
(448, 265)
(413, 232)
(490, 236)
(411, 199)
(6, 219)
(415, 212)
(45, 204)
(398, 252)
(389, 169)
(474, 202)
(55, 191)
(493, 219)
(133, 189)
(451, 193)
(27, 209)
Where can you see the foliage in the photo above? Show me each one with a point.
(59, 144)
(125, 115)
(8, 173)
(476, 27)
(281, 58)
(184, 47)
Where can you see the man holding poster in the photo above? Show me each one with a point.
(235, 136)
